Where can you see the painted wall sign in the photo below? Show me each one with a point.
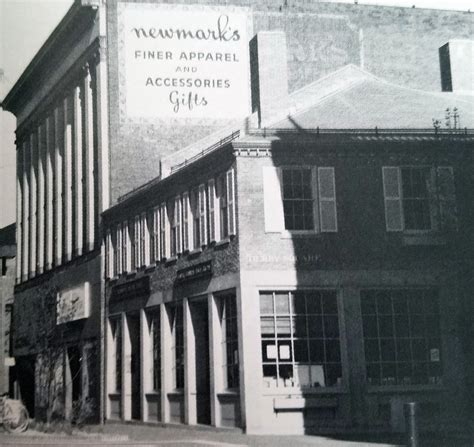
(73, 304)
(184, 61)
(194, 272)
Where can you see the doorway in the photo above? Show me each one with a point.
(200, 321)
(135, 364)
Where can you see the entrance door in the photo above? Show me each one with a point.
(134, 331)
(200, 321)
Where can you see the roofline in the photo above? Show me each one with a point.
(50, 42)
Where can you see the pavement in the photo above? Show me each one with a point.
(144, 435)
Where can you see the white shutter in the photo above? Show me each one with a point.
(230, 188)
(273, 201)
(447, 198)
(186, 221)
(202, 215)
(177, 222)
(211, 189)
(392, 197)
(327, 200)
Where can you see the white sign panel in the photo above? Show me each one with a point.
(185, 62)
(73, 304)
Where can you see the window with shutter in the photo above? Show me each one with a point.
(419, 198)
(299, 199)
(164, 232)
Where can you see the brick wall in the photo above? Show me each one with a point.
(400, 45)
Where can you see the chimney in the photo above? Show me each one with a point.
(457, 66)
(269, 73)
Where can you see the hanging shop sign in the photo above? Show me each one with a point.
(184, 61)
(194, 272)
(73, 304)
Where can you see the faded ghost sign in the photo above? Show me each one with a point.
(184, 62)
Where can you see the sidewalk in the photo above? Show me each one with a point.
(143, 435)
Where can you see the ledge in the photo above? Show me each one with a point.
(427, 239)
(390, 389)
(300, 403)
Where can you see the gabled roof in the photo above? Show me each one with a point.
(352, 98)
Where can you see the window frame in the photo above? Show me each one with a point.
(408, 292)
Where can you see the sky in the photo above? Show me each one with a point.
(26, 24)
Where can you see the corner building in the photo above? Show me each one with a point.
(108, 104)
(299, 279)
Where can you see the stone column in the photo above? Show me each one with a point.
(215, 358)
(26, 210)
(146, 357)
(248, 311)
(19, 212)
(68, 205)
(190, 416)
(89, 162)
(58, 189)
(49, 224)
(166, 363)
(33, 203)
(78, 187)
(41, 199)
(126, 403)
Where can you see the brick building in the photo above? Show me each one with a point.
(301, 277)
(110, 101)
(7, 283)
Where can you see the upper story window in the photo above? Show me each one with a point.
(419, 198)
(187, 221)
(299, 199)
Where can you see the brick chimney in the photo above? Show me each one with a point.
(269, 73)
(456, 60)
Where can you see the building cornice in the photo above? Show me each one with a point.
(71, 21)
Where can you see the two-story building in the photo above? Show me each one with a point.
(112, 96)
(307, 275)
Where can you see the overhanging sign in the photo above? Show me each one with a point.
(194, 272)
(184, 61)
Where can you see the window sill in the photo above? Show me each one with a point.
(177, 392)
(302, 392)
(228, 393)
(298, 234)
(171, 260)
(222, 243)
(194, 253)
(423, 238)
(380, 389)
(300, 403)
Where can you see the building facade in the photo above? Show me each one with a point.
(7, 283)
(111, 101)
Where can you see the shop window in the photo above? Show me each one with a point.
(401, 336)
(419, 198)
(116, 331)
(230, 346)
(300, 339)
(155, 332)
(299, 199)
(177, 333)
